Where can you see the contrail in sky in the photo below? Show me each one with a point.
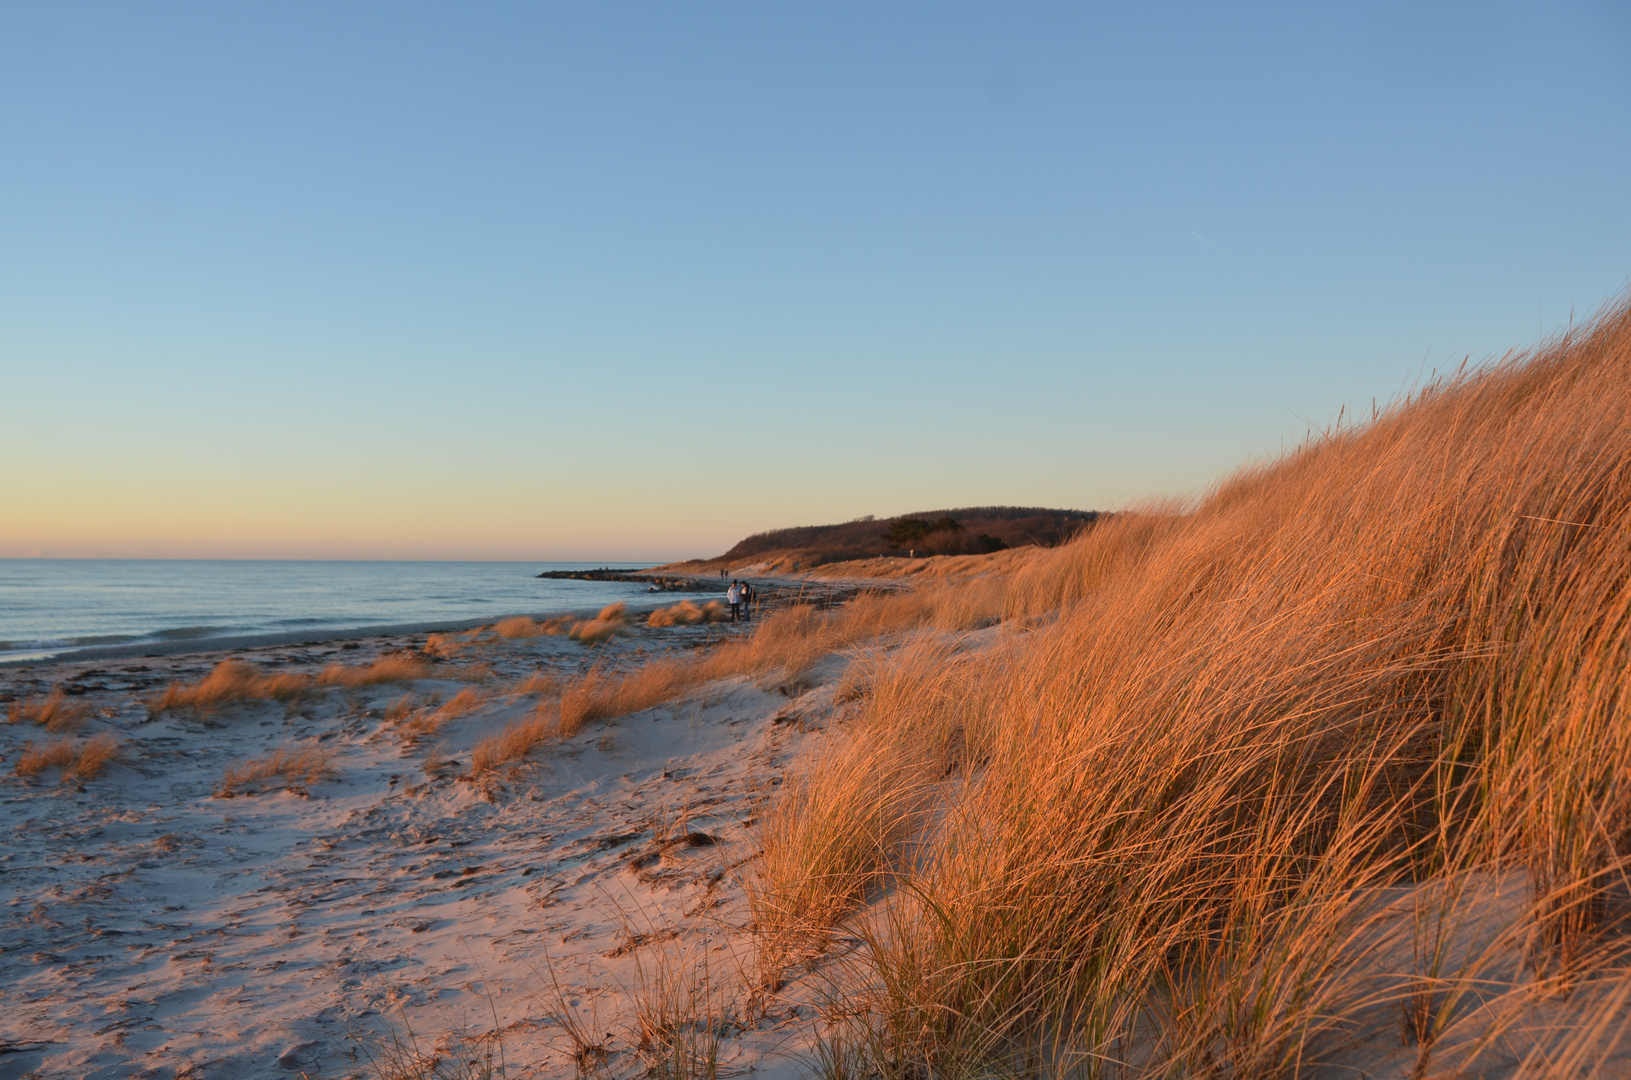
(1220, 251)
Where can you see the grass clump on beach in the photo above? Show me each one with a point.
(55, 713)
(452, 644)
(237, 680)
(687, 613)
(232, 680)
(397, 667)
(524, 626)
(540, 683)
(612, 621)
(516, 741)
(1151, 832)
(296, 770)
(426, 724)
(76, 759)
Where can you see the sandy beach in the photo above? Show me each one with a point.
(395, 908)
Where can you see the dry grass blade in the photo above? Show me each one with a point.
(681, 1015)
(231, 680)
(687, 613)
(55, 713)
(387, 669)
(612, 621)
(296, 770)
(425, 725)
(77, 760)
(516, 742)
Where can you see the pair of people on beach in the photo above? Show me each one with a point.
(740, 598)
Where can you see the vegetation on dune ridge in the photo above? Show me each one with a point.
(1150, 835)
(972, 530)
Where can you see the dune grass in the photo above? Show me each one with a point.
(524, 626)
(428, 723)
(232, 680)
(75, 759)
(687, 613)
(1152, 824)
(396, 667)
(238, 680)
(296, 770)
(785, 645)
(55, 713)
(517, 741)
(540, 683)
(612, 621)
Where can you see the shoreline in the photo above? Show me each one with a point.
(772, 588)
(241, 642)
(175, 638)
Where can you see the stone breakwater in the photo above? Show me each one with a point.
(663, 583)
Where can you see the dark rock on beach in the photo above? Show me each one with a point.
(662, 582)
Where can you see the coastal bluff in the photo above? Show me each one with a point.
(974, 530)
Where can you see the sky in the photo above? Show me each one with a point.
(632, 281)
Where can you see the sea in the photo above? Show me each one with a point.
(56, 607)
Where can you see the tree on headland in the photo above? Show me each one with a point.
(908, 530)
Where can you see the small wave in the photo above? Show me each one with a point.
(42, 643)
(102, 639)
(186, 633)
(299, 622)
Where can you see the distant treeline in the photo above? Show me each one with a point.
(969, 531)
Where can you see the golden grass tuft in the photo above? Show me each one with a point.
(612, 621)
(296, 770)
(236, 680)
(1153, 823)
(524, 626)
(231, 680)
(55, 713)
(687, 613)
(517, 741)
(540, 683)
(77, 760)
(447, 646)
(424, 725)
(396, 667)
(399, 710)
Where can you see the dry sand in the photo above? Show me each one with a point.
(153, 929)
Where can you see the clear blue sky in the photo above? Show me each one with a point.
(634, 280)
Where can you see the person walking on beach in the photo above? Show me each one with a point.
(748, 596)
(733, 597)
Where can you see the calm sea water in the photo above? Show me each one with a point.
(53, 606)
